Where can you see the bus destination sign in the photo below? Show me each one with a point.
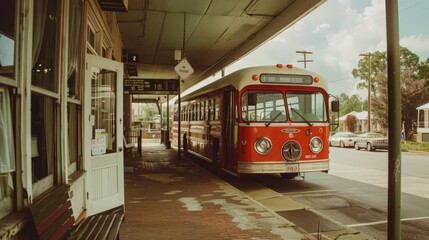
(287, 79)
(151, 86)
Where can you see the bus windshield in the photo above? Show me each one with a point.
(263, 106)
(306, 106)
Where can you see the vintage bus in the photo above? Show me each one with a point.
(266, 119)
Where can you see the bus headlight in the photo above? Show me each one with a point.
(316, 145)
(263, 145)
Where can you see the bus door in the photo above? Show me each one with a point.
(228, 122)
(103, 131)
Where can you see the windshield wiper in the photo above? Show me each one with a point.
(274, 118)
(296, 111)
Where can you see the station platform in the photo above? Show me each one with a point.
(171, 198)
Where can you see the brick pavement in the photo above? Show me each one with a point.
(168, 198)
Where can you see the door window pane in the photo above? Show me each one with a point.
(103, 111)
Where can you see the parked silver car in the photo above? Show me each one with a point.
(343, 139)
(371, 141)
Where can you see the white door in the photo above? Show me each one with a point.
(103, 130)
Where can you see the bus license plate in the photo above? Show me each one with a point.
(292, 168)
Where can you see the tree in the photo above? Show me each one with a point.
(350, 123)
(378, 64)
(379, 101)
(414, 84)
(424, 74)
(150, 112)
(350, 104)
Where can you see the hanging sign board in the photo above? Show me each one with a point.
(183, 69)
(151, 86)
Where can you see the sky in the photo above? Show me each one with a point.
(337, 32)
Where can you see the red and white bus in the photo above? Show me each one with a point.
(267, 119)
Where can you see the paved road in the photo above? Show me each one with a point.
(372, 168)
(354, 192)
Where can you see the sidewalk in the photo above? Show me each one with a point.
(168, 198)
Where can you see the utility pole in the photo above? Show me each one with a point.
(394, 107)
(305, 57)
(369, 55)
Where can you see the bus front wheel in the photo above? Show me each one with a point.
(288, 175)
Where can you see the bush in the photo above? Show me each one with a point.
(350, 123)
(414, 146)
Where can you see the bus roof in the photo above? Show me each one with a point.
(243, 77)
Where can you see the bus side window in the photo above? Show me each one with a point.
(203, 110)
(207, 110)
(216, 113)
(200, 110)
(198, 113)
(212, 109)
(195, 113)
(191, 116)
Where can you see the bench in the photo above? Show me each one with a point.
(129, 147)
(133, 137)
(52, 217)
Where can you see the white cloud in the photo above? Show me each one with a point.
(322, 27)
(417, 44)
(336, 33)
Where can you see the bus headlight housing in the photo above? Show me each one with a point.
(316, 145)
(263, 145)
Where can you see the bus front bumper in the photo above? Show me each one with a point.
(283, 167)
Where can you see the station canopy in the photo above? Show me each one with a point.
(211, 34)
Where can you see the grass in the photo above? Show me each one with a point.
(407, 146)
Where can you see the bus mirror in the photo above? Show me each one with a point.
(252, 99)
(335, 106)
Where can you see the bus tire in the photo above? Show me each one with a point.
(216, 154)
(185, 143)
(288, 175)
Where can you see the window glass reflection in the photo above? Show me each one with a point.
(103, 111)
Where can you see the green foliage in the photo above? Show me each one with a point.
(407, 146)
(150, 112)
(350, 104)
(378, 64)
(414, 84)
